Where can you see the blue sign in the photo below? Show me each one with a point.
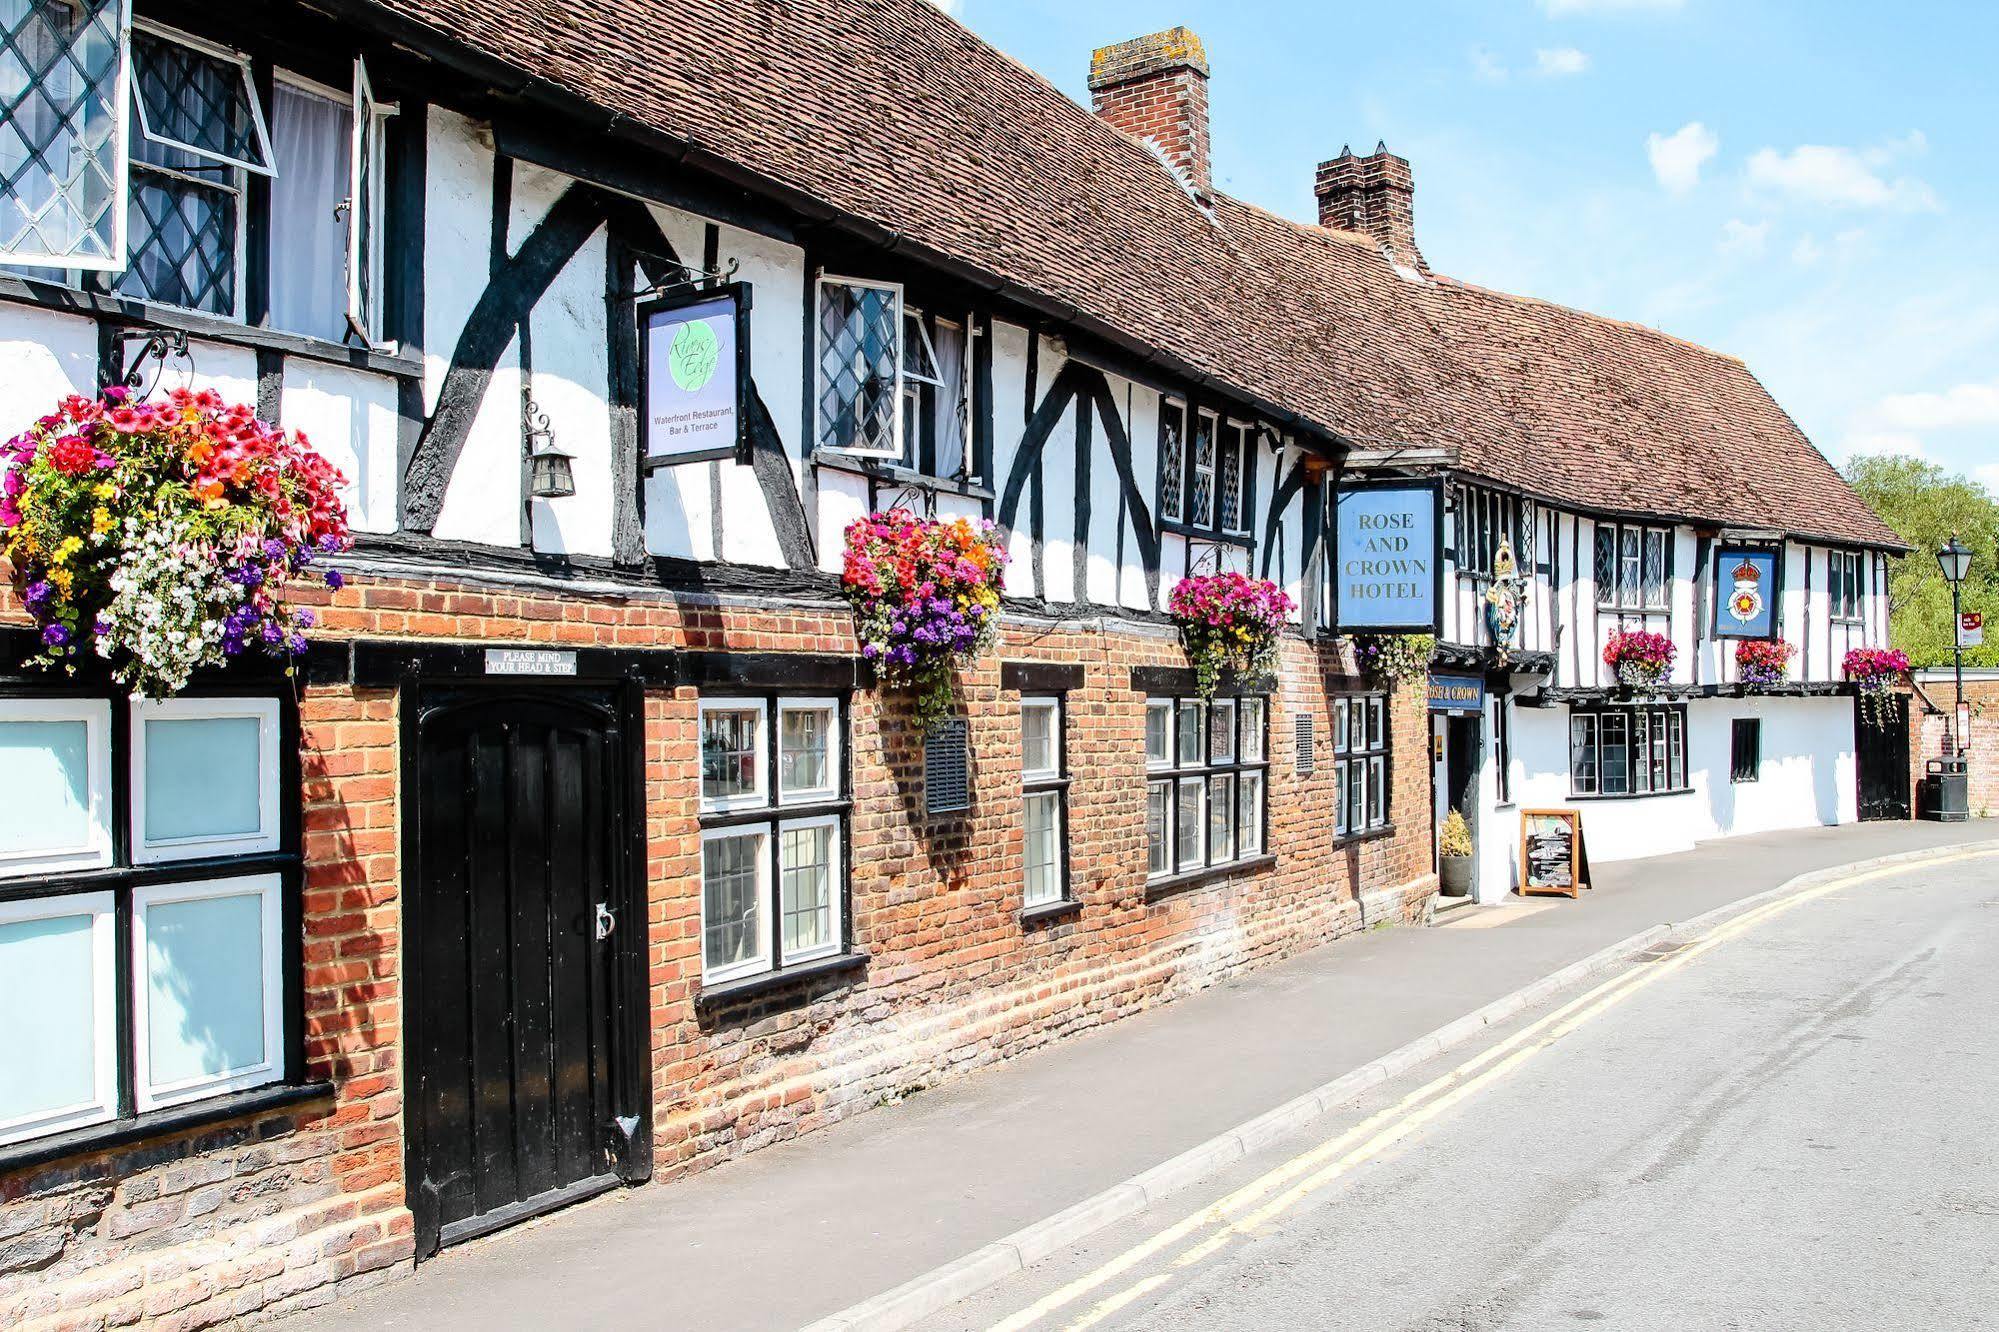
(1457, 693)
(1388, 550)
(1746, 592)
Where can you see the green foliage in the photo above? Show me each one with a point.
(1925, 505)
(1455, 839)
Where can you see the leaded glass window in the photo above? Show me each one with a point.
(63, 72)
(1201, 501)
(1633, 567)
(1172, 458)
(1235, 448)
(198, 99)
(860, 367)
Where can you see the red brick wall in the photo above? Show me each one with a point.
(268, 1213)
(1929, 732)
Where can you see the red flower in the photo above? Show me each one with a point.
(72, 455)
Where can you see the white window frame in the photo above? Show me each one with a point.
(1157, 762)
(760, 961)
(1178, 512)
(121, 167)
(228, 55)
(1053, 708)
(269, 888)
(95, 714)
(1245, 707)
(1213, 471)
(1165, 785)
(899, 448)
(835, 877)
(265, 712)
(755, 799)
(1182, 862)
(1244, 435)
(367, 167)
(101, 908)
(814, 794)
(1251, 830)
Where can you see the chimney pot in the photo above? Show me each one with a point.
(1372, 195)
(1155, 88)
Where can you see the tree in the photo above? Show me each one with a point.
(1927, 505)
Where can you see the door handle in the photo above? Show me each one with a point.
(606, 922)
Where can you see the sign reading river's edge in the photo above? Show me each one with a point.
(1387, 559)
(694, 375)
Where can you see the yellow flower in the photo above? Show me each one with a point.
(106, 491)
(61, 578)
(101, 521)
(68, 547)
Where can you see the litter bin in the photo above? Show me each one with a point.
(1945, 794)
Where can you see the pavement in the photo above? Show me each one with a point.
(800, 1231)
(1777, 1126)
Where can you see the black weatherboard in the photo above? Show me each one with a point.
(738, 449)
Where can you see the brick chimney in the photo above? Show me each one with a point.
(1156, 89)
(1372, 195)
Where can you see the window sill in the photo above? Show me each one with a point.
(898, 475)
(143, 314)
(1170, 885)
(159, 1124)
(1637, 795)
(1371, 835)
(1046, 912)
(726, 992)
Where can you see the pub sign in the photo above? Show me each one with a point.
(694, 374)
(1387, 561)
(1746, 592)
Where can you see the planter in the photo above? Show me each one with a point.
(1454, 875)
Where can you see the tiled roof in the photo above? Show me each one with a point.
(891, 112)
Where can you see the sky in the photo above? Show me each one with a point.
(1809, 185)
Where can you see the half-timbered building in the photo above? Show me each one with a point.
(583, 849)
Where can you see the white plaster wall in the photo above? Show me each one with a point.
(569, 380)
(1142, 420)
(1102, 576)
(843, 497)
(679, 511)
(44, 357)
(457, 222)
(350, 416)
(230, 371)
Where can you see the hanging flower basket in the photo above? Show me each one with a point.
(1391, 658)
(1228, 620)
(160, 536)
(1639, 657)
(1875, 672)
(1760, 662)
(926, 597)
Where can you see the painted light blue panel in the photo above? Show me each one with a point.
(1386, 555)
(202, 777)
(48, 1017)
(204, 987)
(44, 786)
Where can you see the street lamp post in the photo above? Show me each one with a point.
(1954, 559)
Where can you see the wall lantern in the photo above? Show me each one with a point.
(549, 473)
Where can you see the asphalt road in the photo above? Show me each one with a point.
(1788, 1125)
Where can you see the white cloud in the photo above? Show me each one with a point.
(1487, 66)
(1560, 8)
(1956, 407)
(1677, 158)
(955, 8)
(1744, 238)
(1560, 62)
(1844, 177)
(1882, 441)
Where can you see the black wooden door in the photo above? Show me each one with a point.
(516, 957)
(1882, 755)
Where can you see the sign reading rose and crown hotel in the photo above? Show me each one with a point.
(695, 375)
(1388, 568)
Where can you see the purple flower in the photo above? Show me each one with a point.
(304, 617)
(101, 625)
(274, 549)
(55, 635)
(38, 593)
(273, 635)
(335, 579)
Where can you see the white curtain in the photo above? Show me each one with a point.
(310, 139)
(950, 345)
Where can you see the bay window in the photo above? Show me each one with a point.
(1207, 773)
(1620, 751)
(773, 833)
(151, 945)
(133, 151)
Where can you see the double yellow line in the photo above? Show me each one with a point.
(1275, 1192)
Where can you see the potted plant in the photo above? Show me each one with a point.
(926, 597)
(1875, 672)
(1639, 657)
(1763, 661)
(1228, 619)
(160, 536)
(1454, 856)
